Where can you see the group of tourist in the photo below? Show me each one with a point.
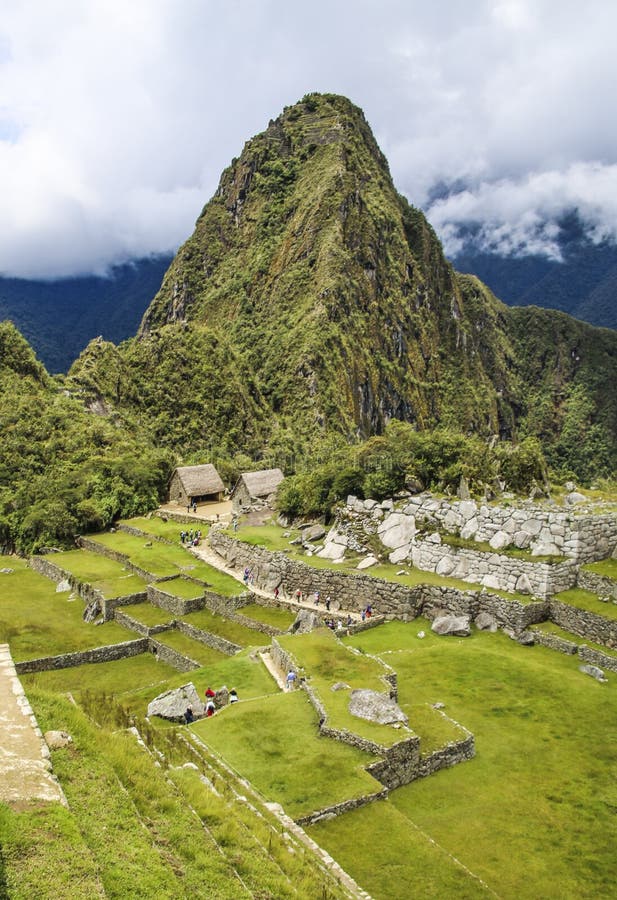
(191, 537)
(248, 577)
(213, 700)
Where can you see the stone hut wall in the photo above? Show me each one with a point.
(108, 653)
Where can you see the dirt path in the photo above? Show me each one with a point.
(25, 769)
(205, 552)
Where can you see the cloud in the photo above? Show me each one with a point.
(117, 118)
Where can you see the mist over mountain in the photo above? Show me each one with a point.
(58, 318)
(582, 282)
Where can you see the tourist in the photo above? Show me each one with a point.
(210, 708)
(316, 598)
(276, 593)
(188, 715)
(328, 602)
(349, 620)
(369, 611)
(245, 577)
(210, 693)
(233, 696)
(291, 680)
(298, 596)
(363, 615)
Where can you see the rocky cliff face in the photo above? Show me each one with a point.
(332, 294)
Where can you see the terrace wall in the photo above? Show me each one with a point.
(597, 584)
(108, 653)
(211, 640)
(586, 654)
(494, 570)
(172, 657)
(349, 591)
(176, 605)
(584, 623)
(579, 536)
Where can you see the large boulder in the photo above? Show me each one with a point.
(594, 671)
(396, 530)
(314, 533)
(367, 562)
(306, 621)
(485, 622)
(172, 704)
(455, 625)
(375, 707)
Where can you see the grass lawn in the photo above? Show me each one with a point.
(158, 527)
(244, 672)
(533, 815)
(269, 615)
(109, 576)
(606, 567)
(275, 744)
(326, 661)
(158, 559)
(582, 599)
(182, 588)
(231, 631)
(195, 650)
(122, 676)
(407, 863)
(36, 621)
(148, 614)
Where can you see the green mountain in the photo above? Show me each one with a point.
(312, 299)
(64, 469)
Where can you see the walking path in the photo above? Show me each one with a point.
(25, 768)
(210, 556)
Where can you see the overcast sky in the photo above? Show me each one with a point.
(118, 116)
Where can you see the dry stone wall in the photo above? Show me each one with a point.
(584, 623)
(494, 570)
(171, 657)
(108, 653)
(597, 584)
(210, 640)
(348, 591)
(544, 532)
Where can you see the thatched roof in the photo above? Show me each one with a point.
(263, 483)
(200, 480)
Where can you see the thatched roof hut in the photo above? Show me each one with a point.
(255, 486)
(195, 484)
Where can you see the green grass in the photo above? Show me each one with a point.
(275, 744)
(606, 567)
(182, 588)
(44, 852)
(533, 814)
(195, 650)
(582, 599)
(148, 614)
(144, 836)
(110, 577)
(158, 559)
(407, 863)
(231, 631)
(157, 527)
(269, 615)
(117, 678)
(326, 661)
(36, 621)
